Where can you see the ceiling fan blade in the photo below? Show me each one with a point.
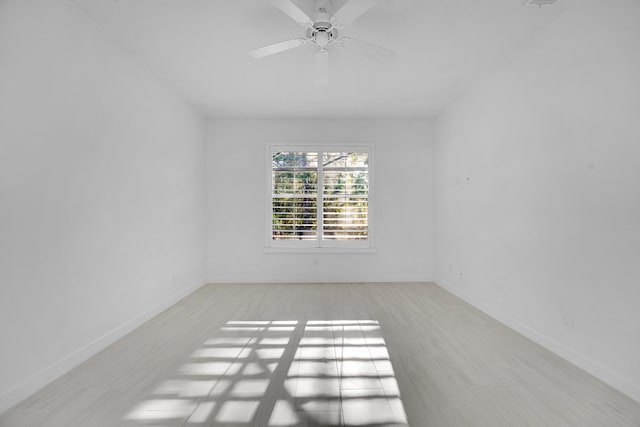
(322, 67)
(352, 10)
(369, 50)
(272, 49)
(293, 11)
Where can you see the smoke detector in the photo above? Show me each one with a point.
(540, 3)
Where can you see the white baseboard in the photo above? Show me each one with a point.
(614, 379)
(344, 282)
(24, 389)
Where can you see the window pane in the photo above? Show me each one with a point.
(345, 196)
(342, 160)
(294, 196)
(296, 160)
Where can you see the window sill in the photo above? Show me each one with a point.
(319, 250)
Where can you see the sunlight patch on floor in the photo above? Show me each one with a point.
(282, 373)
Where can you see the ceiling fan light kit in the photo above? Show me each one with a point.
(323, 30)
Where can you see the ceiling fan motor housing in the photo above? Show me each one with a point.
(321, 31)
(322, 35)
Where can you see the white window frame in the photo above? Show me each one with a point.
(319, 245)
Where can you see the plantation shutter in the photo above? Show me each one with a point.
(295, 196)
(345, 197)
(319, 198)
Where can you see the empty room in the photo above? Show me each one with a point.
(297, 213)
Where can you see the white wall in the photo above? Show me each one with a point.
(101, 194)
(538, 191)
(236, 202)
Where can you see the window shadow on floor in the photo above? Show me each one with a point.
(281, 373)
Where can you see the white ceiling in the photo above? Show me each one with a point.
(199, 47)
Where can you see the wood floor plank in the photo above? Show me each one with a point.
(324, 355)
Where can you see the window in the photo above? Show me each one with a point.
(319, 196)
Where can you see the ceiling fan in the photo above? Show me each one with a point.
(323, 30)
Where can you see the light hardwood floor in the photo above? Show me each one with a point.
(325, 354)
